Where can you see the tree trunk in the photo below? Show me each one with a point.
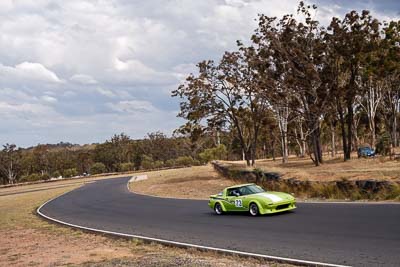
(316, 143)
(273, 149)
(282, 116)
(356, 122)
(300, 141)
(248, 157)
(333, 140)
(373, 99)
(343, 130)
(395, 143)
(284, 148)
(314, 149)
(319, 146)
(253, 154)
(254, 146)
(350, 116)
(373, 132)
(315, 140)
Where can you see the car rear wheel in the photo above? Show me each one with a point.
(218, 209)
(253, 209)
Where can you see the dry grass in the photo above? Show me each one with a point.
(333, 169)
(191, 183)
(27, 240)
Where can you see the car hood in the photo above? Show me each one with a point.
(274, 196)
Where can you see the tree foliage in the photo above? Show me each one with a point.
(307, 76)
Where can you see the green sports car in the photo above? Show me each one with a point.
(251, 198)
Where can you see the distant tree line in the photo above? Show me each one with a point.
(119, 154)
(301, 87)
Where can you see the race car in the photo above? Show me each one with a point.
(251, 198)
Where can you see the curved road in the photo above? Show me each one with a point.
(346, 234)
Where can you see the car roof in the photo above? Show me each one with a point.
(239, 185)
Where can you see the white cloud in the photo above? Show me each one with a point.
(105, 92)
(26, 72)
(133, 106)
(83, 79)
(7, 109)
(135, 72)
(49, 99)
(36, 71)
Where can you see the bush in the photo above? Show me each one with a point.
(170, 163)
(126, 167)
(196, 162)
(70, 172)
(98, 168)
(383, 145)
(45, 176)
(184, 161)
(147, 162)
(158, 164)
(31, 178)
(56, 174)
(214, 153)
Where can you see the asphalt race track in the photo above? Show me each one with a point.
(346, 234)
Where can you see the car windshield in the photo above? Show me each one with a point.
(250, 189)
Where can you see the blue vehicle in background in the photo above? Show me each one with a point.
(365, 152)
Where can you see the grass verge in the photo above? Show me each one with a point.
(333, 169)
(341, 189)
(197, 182)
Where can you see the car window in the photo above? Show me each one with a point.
(253, 189)
(231, 192)
(244, 191)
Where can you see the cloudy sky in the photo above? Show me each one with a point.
(80, 71)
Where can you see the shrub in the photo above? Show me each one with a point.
(97, 168)
(218, 152)
(170, 163)
(56, 174)
(259, 175)
(70, 172)
(158, 164)
(45, 176)
(184, 161)
(31, 178)
(383, 145)
(147, 162)
(196, 162)
(126, 167)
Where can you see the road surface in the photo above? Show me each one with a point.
(344, 234)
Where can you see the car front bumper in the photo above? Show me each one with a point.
(278, 207)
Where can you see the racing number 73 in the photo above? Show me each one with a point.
(238, 203)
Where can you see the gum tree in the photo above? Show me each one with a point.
(226, 95)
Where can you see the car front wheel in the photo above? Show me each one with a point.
(218, 209)
(253, 209)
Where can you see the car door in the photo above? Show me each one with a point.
(245, 197)
(235, 202)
